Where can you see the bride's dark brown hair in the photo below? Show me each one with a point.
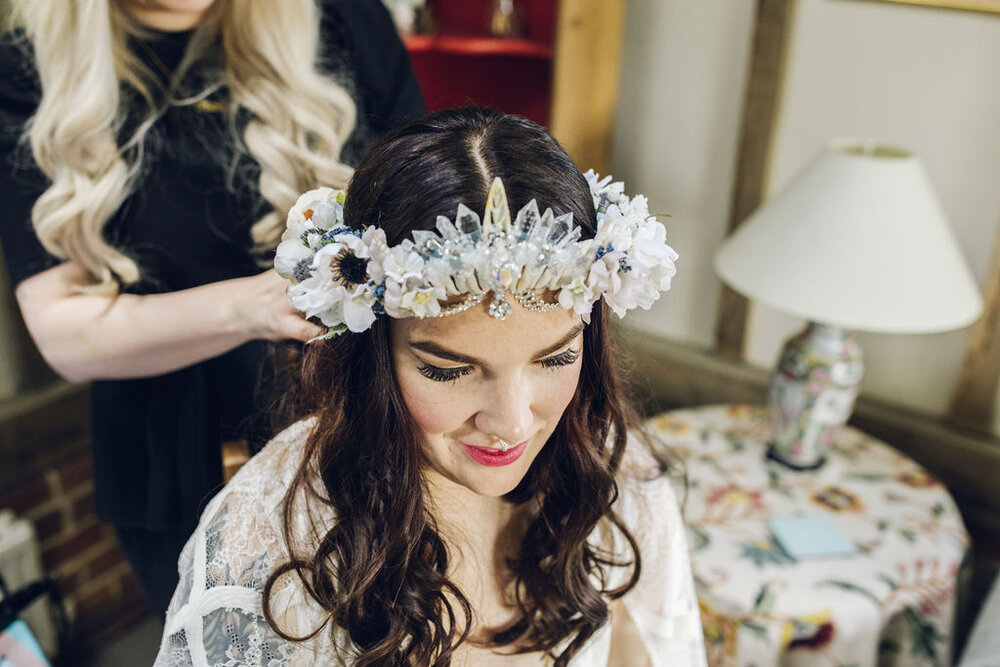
(381, 569)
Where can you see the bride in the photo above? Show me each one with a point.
(465, 490)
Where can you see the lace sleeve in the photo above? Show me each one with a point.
(663, 605)
(215, 616)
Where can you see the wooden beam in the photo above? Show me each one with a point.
(972, 403)
(24, 369)
(761, 103)
(585, 78)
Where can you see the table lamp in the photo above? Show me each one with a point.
(858, 241)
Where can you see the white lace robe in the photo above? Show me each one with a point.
(215, 616)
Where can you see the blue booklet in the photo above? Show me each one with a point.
(18, 647)
(810, 536)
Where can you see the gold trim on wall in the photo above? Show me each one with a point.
(991, 6)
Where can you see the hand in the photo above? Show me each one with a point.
(266, 310)
(86, 336)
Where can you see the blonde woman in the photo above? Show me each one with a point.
(146, 145)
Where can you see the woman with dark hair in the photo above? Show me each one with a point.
(464, 490)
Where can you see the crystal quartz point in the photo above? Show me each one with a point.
(427, 243)
(496, 219)
(574, 232)
(447, 229)
(541, 230)
(558, 229)
(468, 224)
(527, 218)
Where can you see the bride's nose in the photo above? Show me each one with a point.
(506, 410)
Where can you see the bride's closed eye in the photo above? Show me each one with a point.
(443, 374)
(439, 374)
(562, 359)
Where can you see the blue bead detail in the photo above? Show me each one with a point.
(328, 235)
(379, 293)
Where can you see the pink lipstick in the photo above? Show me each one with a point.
(494, 457)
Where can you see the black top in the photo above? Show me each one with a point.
(156, 440)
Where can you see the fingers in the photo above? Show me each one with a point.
(304, 330)
(288, 323)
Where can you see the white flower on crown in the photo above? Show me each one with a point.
(320, 209)
(338, 288)
(604, 191)
(373, 239)
(314, 213)
(403, 301)
(290, 255)
(401, 265)
(406, 291)
(348, 277)
(577, 296)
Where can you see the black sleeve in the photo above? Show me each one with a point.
(388, 88)
(21, 182)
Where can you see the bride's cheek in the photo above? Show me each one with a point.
(436, 417)
(433, 409)
(563, 389)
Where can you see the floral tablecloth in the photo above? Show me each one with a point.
(891, 603)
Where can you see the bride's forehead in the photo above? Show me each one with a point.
(475, 329)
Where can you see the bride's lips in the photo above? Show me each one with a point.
(492, 457)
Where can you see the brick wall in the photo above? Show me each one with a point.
(46, 476)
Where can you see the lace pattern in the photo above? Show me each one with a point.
(235, 638)
(215, 618)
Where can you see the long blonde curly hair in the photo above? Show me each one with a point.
(300, 119)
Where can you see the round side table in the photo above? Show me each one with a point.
(890, 603)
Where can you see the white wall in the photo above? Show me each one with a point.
(924, 79)
(683, 72)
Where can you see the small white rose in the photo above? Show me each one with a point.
(423, 301)
(401, 264)
(299, 215)
(577, 296)
(327, 215)
(313, 296)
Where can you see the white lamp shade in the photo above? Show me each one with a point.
(858, 240)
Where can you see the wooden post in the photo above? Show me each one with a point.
(11, 345)
(22, 368)
(976, 391)
(761, 103)
(588, 48)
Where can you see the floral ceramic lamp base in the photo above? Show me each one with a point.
(812, 394)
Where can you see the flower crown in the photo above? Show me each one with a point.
(348, 277)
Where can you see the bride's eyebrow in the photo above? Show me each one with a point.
(561, 343)
(442, 352)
